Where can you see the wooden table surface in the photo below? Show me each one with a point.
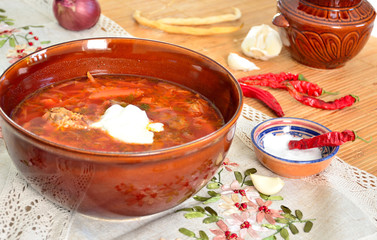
(358, 76)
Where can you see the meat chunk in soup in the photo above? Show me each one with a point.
(64, 118)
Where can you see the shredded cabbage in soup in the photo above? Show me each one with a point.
(64, 112)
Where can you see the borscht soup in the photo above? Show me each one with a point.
(118, 113)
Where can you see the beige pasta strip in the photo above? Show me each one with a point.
(182, 29)
(204, 20)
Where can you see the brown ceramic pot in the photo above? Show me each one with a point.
(324, 34)
(115, 185)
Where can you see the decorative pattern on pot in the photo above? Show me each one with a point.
(324, 37)
(328, 49)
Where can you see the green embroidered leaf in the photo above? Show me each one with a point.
(282, 220)
(203, 235)
(26, 28)
(250, 171)
(248, 183)
(191, 215)
(185, 210)
(238, 176)
(37, 26)
(271, 226)
(211, 211)
(289, 216)
(275, 198)
(213, 193)
(263, 196)
(298, 214)
(45, 42)
(213, 199)
(9, 23)
(213, 185)
(284, 233)
(12, 43)
(2, 42)
(211, 219)
(270, 238)
(200, 199)
(186, 232)
(2, 10)
(199, 209)
(272, 198)
(285, 209)
(293, 228)
(308, 226)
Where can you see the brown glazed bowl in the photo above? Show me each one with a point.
(324, 33)
(116, 185)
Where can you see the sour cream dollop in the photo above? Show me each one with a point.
(129, 124)
(277, 145)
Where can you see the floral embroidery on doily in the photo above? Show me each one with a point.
(21, 40)
(20, 51)
(242, 212)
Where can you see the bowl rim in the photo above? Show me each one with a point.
(302, 162)
(207, 138)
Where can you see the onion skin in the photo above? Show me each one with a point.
(76, 15)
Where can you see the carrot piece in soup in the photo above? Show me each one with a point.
(115, 92)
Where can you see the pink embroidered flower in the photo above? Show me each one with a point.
(236, 205)
(20, 51)
(227, 163)
(235, 188)
(223, 233)
(7, 30)
(265, 212)
(244, 223)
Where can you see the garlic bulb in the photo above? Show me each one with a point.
(237, 62)
(262, 42)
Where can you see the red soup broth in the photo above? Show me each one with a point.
(186, 114)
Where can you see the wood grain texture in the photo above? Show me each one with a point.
(358, 76)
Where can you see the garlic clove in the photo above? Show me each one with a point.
(267, 185)
(262, 42)
(237, 62)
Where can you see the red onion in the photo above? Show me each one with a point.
(77, 15)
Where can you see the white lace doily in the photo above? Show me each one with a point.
(24, 214)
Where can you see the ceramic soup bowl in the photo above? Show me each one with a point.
(117, 185)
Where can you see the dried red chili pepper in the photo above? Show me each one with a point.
(277, 77)
(328, 139)
(264, 96)
(308, 88)
(264, 83)
(340, 103)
